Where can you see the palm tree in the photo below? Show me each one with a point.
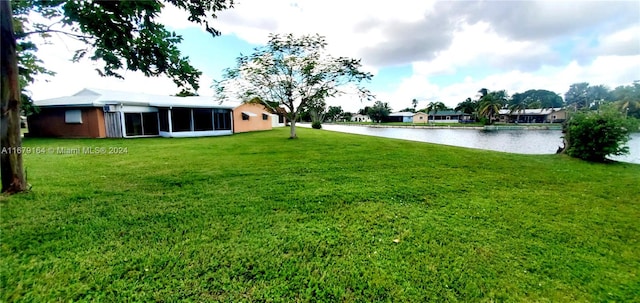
(414, 102)
(467, 106)
(435, 107)
(483, 92)
(491, 103)
(519, 107)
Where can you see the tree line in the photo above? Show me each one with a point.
(487, 105)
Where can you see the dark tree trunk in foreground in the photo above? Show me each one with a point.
(566, 140)
(13, 179)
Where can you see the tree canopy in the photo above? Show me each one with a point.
(379, 111)
(294, 71)
(536, 98)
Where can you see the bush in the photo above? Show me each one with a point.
(316, 125)
(593, 136)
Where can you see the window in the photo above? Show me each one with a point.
(181, 119)
(150, 124)
(245, 116)
(265, 117)
(141, 124)
(163, 116)
(222, 119)
(202, 119)
(133, 124)
(73, 116)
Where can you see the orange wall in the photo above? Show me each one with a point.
(49, 122)
(254, 123)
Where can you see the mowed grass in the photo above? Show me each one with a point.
(329, 217)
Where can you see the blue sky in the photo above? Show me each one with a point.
(429, 50)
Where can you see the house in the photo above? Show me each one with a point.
(360, 118)
(449, 116)
(98, 113)
(530, 115)
(406, 117)
(249, 117)
(557, 115)
(420, 117)
(279, 117)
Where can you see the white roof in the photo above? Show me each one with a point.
(403, 114)
(100, 97)
(530, 111)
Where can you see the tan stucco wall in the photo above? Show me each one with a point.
(416, 118)
(560, 115)
(49, 122)
(254, 123)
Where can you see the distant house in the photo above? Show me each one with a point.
(251, 117)
(399, 117)
(360, 118)
(278, 116)
(449, 116)
(420, 117)
(546, 115)
(97, 113)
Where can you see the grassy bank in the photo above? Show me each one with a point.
(328, 217)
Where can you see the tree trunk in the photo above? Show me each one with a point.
(566, 140)
(13, 179)
(293, 130)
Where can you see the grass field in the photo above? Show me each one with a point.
(329, 217)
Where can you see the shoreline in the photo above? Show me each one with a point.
(486, 127)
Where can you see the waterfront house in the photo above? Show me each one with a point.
(449, 116)
(406, 117)
(360, 118)
(531, 115)
(98, 113)
(420, 117)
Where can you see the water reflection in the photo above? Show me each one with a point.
(512, 141)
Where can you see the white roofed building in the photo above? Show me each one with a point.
(99, 113)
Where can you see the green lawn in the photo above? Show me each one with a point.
(329, 217)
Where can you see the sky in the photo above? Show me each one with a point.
(428, 50)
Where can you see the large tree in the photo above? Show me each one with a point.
(536, 98)
(379, 111)
(578, 95)
(627, 99)
(467, 106)
(294, 71)
(334, 113)
(490, 104)
(120, 34)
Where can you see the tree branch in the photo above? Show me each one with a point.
(73, 35)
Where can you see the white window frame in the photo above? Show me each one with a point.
(73, 116)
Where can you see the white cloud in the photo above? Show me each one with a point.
(354, 26)
(608, 70)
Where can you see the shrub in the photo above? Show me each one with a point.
(316, 125)
(593, 136)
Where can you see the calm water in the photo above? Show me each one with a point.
(512, 141)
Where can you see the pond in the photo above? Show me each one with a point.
(512, 141)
